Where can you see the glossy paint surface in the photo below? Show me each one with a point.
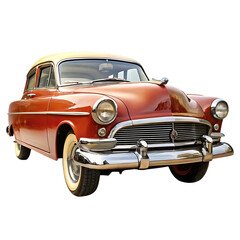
(34, 127)
(146, 100)
(205, 103)
(38, 130)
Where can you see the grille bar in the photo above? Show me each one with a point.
(157, 133)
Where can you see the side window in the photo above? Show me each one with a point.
(31, 82)
(46, 77)
(52, 81)
(43, 77)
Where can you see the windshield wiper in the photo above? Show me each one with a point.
(74, 82)
(94, 81)
(109, 79)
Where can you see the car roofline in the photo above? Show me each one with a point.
(58, 57)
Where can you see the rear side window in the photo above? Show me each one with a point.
(31, 82)
(46, 77)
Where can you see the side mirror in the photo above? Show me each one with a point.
(161, 82)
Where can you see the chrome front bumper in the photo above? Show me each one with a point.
(91, 155)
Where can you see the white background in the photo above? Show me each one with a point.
(196, 44)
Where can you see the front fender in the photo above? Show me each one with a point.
(83, 126)
(205, 103)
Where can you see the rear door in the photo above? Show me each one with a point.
(34, 107)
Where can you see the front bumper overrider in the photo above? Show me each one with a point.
(99, 154)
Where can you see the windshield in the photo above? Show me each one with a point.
(86, 71)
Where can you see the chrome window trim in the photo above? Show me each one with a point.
(34, 68)
(53, 113)
(128, 123)
(32, 72)
(42, 66)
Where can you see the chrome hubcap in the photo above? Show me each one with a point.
(73, 168)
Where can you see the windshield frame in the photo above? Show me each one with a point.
(106, 59)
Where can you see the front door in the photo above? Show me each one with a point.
(34, 106)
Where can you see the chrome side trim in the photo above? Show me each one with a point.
(69, 113)
(158, 120)
(52, 113)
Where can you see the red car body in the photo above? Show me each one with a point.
(42, 118)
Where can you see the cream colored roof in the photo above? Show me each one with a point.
(61, 56)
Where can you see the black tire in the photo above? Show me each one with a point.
(22, 152)
(80, 181)
(189, 173)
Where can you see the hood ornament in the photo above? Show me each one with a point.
(161, 82)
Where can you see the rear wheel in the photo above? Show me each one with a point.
(80, 181)
(22, 152)
(189, 172)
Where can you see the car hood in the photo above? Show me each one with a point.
(145, 100)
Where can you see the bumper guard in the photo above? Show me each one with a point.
(97, 154)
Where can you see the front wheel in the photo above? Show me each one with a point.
(189, 172)
(80, 181)
(22, 152)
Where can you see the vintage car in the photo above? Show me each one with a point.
(101, 113)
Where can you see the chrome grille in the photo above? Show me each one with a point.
(157, 133)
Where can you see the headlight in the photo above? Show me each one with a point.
(219, 109)
(104, 111)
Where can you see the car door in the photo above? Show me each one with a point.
(34, 106)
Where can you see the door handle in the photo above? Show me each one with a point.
(31, 95)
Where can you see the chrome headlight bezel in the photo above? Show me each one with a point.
(97, 104)
(214, 107)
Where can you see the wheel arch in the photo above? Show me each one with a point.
(61, 134)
